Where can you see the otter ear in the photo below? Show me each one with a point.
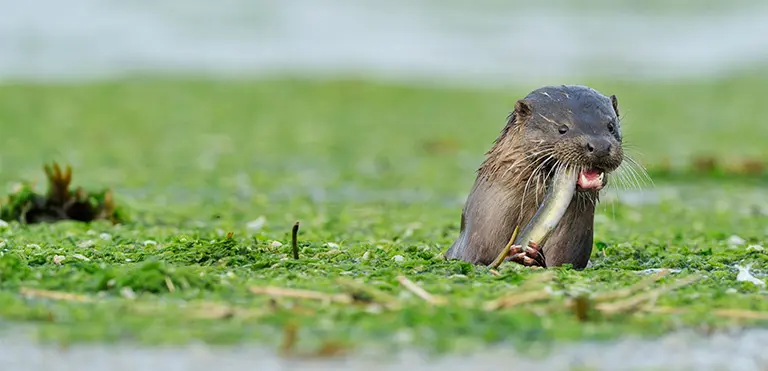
(523, 110)
(615, 103)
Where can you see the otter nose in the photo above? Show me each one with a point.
(598, 147)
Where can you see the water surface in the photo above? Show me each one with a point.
(447, 42)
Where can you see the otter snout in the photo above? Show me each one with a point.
(597, 148)
(599, 155)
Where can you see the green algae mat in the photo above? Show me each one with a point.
(196, 187)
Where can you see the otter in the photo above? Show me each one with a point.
(553, 126)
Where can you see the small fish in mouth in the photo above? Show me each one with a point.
(591, 179)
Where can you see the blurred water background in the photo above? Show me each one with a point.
(478, 42)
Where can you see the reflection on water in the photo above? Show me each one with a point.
(449, 41)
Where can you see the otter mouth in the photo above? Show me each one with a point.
(590, 179)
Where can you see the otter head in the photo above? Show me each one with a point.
(572, 126)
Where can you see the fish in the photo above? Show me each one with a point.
(561, 189)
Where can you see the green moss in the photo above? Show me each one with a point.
(376, 175)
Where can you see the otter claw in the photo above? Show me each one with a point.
(531, 257)
(524, 260)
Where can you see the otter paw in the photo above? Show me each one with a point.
(531, 257)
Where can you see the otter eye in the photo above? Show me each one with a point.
(563, 129)
(611, 128)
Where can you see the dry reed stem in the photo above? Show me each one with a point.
(636, 301)
(516, 299)
(55, 295)
(199, 310)
(523, 293)
(505, 251)
(544, 276)
(301, 294)
(378, 296)
(210, 310)
(741, 314)
(169, 284)
(724, 313)
(627, 291)
(420, 292)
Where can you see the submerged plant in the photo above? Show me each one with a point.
(60, 202)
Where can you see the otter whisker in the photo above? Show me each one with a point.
(536, 191)
(524, 172)
(626, 182)
(520, 172)
(527, 183)
(539, 154)
(558, 165)
(584, 200)
(621, 177)
(630, 147)
(490, 167)
(630, 176)
(630, 179)
(634, 176)
(540, 177)
(640, 168)
(530, 163)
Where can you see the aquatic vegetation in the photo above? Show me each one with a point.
(216, 175)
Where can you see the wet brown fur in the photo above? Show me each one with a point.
(510, 184)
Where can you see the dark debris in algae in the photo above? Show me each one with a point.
(60, 202)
